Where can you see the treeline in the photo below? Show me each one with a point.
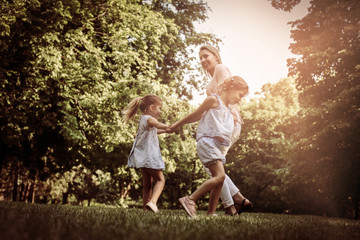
(69, 67)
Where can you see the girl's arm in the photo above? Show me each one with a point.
(160, 131)
(152, 122)
(208, 103)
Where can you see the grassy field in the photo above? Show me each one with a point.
(35, 221)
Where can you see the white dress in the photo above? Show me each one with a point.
(214, 132)
(145, 152)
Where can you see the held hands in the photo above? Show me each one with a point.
(164, 128)
(172, 128)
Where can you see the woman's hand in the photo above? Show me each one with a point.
(173, 127)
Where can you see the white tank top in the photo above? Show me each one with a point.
(217, 123)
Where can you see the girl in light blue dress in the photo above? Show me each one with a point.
(145, 153)
(214, 132)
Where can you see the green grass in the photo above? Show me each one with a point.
(36, 221)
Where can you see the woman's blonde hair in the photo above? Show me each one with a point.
(140, 102)
(214, 51)
(233, 83)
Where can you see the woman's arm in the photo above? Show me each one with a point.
(208, 103)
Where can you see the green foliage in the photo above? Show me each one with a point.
(286, 5)
(177, 68)
(69, 68)
(259, 162)
(326, 158)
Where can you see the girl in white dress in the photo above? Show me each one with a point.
(145, 153)
(214, 131)
(232, 199)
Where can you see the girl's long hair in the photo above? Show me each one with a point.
(140, 102)
(233, 83)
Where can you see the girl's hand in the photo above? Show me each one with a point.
(168, 129)
(173, 127)
(161, 130)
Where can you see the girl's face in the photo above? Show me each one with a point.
(208, 61)
(235, 96)
(155, 109)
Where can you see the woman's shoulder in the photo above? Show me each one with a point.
(222, 67)
(222, 72)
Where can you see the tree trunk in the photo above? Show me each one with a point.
(27, 192)
(15, 183)
(356, 205)
(65, 198)
(32, 193)
(21, 192)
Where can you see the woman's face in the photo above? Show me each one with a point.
(208, 61)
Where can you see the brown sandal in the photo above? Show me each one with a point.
(227, 213)
(241, 207)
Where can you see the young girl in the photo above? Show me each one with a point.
(214, 131)
(145, 153)
(233, 201)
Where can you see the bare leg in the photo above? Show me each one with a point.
(242, 203)
(239, 204)
(213, 184)
(231, 210)
(147, 187)
(158, 177)
(239, 198)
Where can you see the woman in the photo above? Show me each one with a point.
(234, 202)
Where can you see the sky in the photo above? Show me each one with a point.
(256, 39)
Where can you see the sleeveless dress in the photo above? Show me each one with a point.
(214, 132)
(145, 152)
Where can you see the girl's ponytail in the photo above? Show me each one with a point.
(140, 102)
(131, 109)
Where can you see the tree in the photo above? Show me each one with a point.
(259, 162)
(177, 69)
(285, 5)
(68, 69)
(327, 74)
